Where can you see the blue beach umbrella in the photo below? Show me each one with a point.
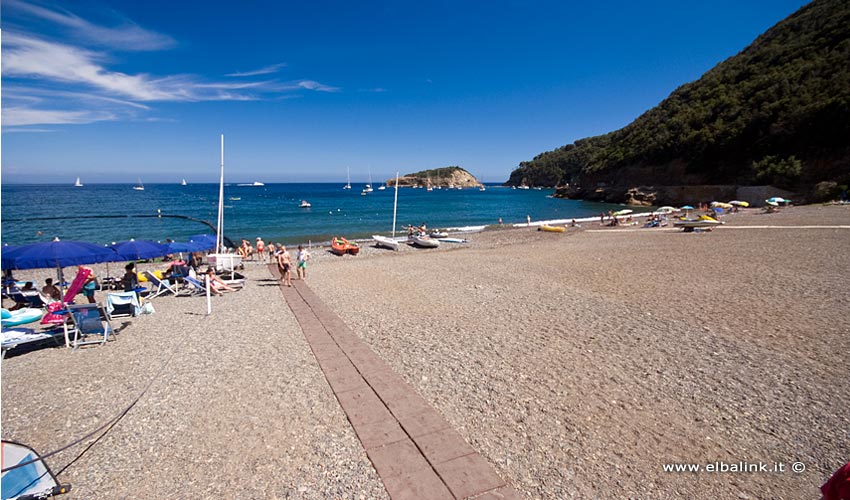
(57, 254)
(178, 247)
(204, 241)
(139, 249)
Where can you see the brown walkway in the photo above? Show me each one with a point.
(413, 448)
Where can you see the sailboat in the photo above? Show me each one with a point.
(348, 184)
(139, 186)
(183, 182)
(222, 260)
(383, 241)
(78, 183)
(368, 188)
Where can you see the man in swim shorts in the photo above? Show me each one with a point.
(301, 263)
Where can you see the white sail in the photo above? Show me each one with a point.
(78, 183)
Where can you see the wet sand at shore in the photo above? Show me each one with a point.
(578, 364)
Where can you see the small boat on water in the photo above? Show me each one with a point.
(234, 198)
(139, 186)
(253, 184)
(183, 182)
(305, 204)
(342, 246)
(551, 229)
(78, 183)
(424, 241)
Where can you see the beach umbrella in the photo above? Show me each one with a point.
(178, 247)
(57, 254)
(139, 249)
(204, 241)
(721, 205)
(687, 207)
(778, 199)
(622, 212)
(739, 203)
(667, 209)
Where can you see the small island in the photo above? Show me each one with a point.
(446, 177)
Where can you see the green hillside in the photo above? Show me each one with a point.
(777, 113)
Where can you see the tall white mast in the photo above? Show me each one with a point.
(219, 237)
(395, 202)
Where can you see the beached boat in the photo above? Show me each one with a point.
(78, 183)
(305, 204)
(383, 241)
(221, 260)
(424, 241)
(551, 229)
(439, 234)
(342, 246)
(139, 186)
(703, 222)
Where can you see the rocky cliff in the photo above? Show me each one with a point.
(443, 177)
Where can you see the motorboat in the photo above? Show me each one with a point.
(253, 184)
(305, 204)
(342, 246)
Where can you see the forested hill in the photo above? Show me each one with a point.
(777, 113)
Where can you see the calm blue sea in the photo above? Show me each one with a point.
(106, 213)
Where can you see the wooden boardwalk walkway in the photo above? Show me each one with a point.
(415, 451)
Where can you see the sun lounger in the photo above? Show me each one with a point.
(17, 336)
(161, 286)
(85, 321)
(193, 287)
(122, 304)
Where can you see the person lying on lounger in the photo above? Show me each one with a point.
(217, 285)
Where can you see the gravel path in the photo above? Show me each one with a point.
(577, 364)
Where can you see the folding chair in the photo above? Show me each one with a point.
(162, 286)
(122, 304)
(193, 286)
(86, 320)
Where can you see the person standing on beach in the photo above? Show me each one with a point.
(261, 250)
(90, 285)
(301, 263)
(284, 263)
(528, 219)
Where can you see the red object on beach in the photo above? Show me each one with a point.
(342, 246)
(837, 487)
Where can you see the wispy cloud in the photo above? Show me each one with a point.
(51, 77)
(318, 87)
(266, 70)
(127, 35)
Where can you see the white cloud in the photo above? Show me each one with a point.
(17, 116)
(272, 68)
(61, 82)
(318, 87)
(126, 36)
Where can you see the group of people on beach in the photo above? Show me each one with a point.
(279, 255)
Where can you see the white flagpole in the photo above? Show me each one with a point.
(395, 202)
(219, 238)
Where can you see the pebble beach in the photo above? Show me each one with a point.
(578, 364)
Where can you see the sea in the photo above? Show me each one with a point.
(107, 213)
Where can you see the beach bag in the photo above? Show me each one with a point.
(147, 308)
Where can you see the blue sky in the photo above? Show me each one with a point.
(111, 91)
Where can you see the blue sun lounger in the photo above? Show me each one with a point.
(86, 321)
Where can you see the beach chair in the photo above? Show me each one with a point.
(193, 287)
(11, 338)
(161, 286)
(120, 304)
(87, 320)
(56, 311)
